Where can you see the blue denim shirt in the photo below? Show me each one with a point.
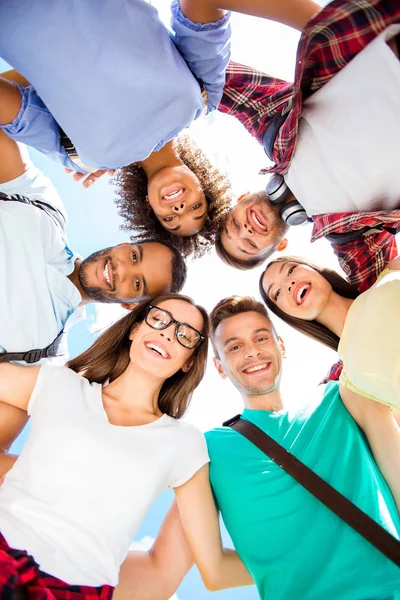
(110, 74)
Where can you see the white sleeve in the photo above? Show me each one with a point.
(47, 374)
(192, 454)
(36, 186)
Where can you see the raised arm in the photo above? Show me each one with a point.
(220, 568)
(157, 573)
(294, 13)
(16, 384)
(382, 430)
(12, 421)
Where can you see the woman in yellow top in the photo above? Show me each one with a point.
(363, 328)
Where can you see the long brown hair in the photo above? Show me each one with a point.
(312, 329)
(108, 358)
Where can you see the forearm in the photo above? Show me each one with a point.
(200, 11)
(230, 573)
(13, 75)
(156, 574)
(6, 462)
(294, 13)
(383, 435)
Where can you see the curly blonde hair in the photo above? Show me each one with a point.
(138, 215)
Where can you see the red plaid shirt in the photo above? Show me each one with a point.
(328, 43)
(18, 571)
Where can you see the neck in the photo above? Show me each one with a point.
(335, 312)
(135, 390)
(166, 157)
(73, 277)
(270, 401)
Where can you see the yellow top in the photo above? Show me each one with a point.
(370, 343)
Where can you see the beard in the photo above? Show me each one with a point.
(96, 293)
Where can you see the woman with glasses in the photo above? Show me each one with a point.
(105, 440)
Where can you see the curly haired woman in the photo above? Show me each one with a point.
(184, 202)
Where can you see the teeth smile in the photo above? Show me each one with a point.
(257, 222)
(174, 194)
(106, 274)
(157, 349)
(301, 292)
(256, 368)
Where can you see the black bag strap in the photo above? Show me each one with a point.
(32, 356)
(318, 487)
(52, 212)
(352, 236)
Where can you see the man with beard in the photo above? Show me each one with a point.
(332, 138)
(43, 282)
(290, 542)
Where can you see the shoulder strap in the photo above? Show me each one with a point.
(52, 212)
(336, 502)
(33, 356)
(352, 236)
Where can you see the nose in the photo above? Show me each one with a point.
(291, 286)
(179, 208)
(247, 229)
(252, 351)
(168, 333)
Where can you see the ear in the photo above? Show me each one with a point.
(282, 245)
(128, 306)
(219, 367)
(187, 366)
(133, 331)
(147, 199)
(243, 196)
(282, 347)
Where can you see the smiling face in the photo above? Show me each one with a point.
(252, 228)
(177, 200)
(158, 351)
(127, 272)
(298, 290)
(249, 353)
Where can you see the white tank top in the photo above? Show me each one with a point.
(79, 490)
(347, 150)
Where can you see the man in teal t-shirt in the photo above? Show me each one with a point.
(294, 547)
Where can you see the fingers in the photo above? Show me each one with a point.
(88, 180)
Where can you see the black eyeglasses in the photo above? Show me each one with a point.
(186, 335)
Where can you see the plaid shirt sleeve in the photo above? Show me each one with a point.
(253, 97)
(365, 258)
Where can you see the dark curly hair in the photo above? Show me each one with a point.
(138, 215)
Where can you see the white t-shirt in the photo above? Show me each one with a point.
(81, 486)
(347, 151)
(36, 298)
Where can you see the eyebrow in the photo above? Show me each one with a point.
(173, 228)
(234, 338)
(145, 287)
(140, 250)
(280, 271)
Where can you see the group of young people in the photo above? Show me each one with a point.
(106, 88)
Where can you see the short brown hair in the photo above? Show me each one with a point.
(139, 216)
(312, 329)
(232, 306)
(108, 358)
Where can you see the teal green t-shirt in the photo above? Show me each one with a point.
(294, 547)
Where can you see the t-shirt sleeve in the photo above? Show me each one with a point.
(36, 186)
(49, 377)
(192, 454)
(206, 50)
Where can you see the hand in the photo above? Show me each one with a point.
(88, 180)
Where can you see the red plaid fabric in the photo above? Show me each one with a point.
(328, 43)
(18, 571)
